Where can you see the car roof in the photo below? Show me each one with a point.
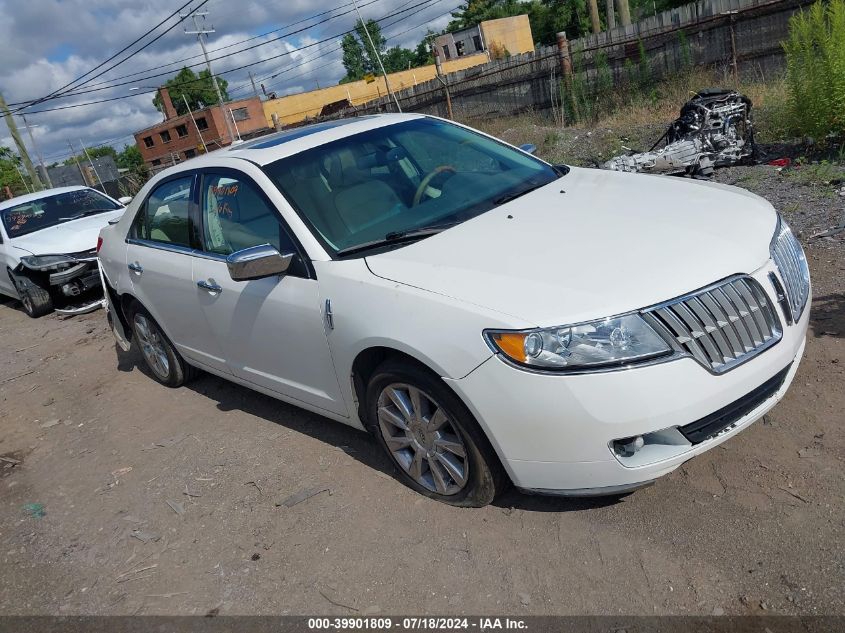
(38, 195)
(270, 148)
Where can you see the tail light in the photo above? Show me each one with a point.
(99, 243)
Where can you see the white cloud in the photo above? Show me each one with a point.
(45, 44)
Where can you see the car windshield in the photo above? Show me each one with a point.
(389, 182)
(48, 211)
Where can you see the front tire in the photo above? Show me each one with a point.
(166, 364)
(431, 437)
(36, 301)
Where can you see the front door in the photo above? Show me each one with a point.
(271, 330)
(160, 259)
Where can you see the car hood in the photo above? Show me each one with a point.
(69, 237)
(592, 244)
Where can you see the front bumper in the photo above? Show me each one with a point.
(554, 432)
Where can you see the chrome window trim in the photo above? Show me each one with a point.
(175, 248)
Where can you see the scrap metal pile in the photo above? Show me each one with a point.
(713, 130)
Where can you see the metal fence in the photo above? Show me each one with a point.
(743, 36)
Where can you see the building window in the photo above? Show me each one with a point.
(148, 141)
(182, 131)
(459, 47)
(190, 153)
(476, 41)
(165, 136)
(202, 124)
(240, 114)
(446, 53)
(156, 162)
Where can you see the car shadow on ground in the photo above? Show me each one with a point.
(358, 445)
(827, 316)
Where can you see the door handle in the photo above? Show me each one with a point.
(210, 286)
(135, 267)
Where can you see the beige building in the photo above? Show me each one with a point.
(296, 107)
(479, 44)
(505, 36)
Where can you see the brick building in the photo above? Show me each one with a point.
(177, 138)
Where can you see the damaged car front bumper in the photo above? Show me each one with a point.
(73, 277)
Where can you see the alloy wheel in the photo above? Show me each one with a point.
(423, 439)
(152, 346)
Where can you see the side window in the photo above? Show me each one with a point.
(236, 216)
(165, 216)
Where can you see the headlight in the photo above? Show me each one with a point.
(608, 342)
(46, 262)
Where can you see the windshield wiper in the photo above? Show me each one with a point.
(513, 195)
(398, 236)
(85, 214)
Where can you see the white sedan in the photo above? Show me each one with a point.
(48, 243)
(490, 318)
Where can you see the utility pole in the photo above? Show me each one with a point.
(78, 164)
(199, 32)
(378, 57)
(254, 87)
(611, 16)
(624, 12)
(93, 167)
(44, 171)
(16, 137)
(594, 15)
(438, 66)
(202, 140)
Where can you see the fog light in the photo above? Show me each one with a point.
(628, 446)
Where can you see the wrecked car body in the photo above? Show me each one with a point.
(714, 129)
(48, 244)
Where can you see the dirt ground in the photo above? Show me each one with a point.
(159, 501)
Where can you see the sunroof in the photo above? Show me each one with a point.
(290, 135)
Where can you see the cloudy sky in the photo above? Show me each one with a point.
(45, 44)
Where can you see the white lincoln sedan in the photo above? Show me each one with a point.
(490, 318)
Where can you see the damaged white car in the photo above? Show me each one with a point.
(48, 243)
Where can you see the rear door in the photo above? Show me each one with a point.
(160, 255)
(271, 330)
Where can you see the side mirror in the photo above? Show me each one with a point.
(257, 262)
(528, 148)
(124, 200)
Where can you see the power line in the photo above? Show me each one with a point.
(239, 42)
(337, 48)
(120, 52)
(231, 70)
(90, 89)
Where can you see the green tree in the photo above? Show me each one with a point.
(10, 175)
(360, 58)
(130, 158)
(93, 152)
(197, 89)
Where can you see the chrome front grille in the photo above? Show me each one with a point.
(720, 326)
(792, 266)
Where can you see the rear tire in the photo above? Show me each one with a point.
(431, 437)
(36, 300)
(164, 362)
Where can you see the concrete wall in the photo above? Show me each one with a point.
(294, 108)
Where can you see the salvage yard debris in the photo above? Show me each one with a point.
(714, 129)
(302, 495)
